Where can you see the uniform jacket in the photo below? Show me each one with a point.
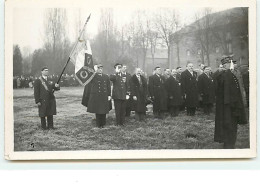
(140, 91)
(120, 88)
(189, 87)
(45, 97)
(229, 106)
(206, 88)
(95, 96)
(128, 79)
(158, 92)
(173, 88)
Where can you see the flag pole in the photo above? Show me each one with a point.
(74, 47)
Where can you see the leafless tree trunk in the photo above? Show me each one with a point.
(55, 35)
(165, 22)
(203, 31)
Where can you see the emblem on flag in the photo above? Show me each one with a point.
(82, 59)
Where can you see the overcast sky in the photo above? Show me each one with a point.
(28, 22)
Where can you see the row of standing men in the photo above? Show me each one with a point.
(167, 93)
(164, 93)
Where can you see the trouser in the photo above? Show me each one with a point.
(49, 120)
(139, 116)
(128, 111)
(158, 114)
(208, 108)
(120, 107)
(100, 120)
(191, 111)
(174, 111)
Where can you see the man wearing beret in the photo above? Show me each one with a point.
(229, 106)
(44, 97)
(97, 96)
(120, 93)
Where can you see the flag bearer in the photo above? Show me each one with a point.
(44, 97)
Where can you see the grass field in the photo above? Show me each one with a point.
(76, 128)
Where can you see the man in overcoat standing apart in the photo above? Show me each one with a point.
(158, 93)
(229, 106)
(44, 97)
(139, 92)
(97, 96)
(190, 89)
(120, 93)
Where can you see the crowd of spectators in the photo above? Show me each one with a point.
(27, 81)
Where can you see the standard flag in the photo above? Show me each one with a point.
(82, 59)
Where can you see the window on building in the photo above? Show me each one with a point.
(188, 52)
(217, 49)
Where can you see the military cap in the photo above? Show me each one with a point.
(226, 59)
(43, 68)
(99, 65)
(117, 64)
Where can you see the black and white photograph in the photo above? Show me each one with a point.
(133, 80)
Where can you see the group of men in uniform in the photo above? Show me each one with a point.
(168, 93)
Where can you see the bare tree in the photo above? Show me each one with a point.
(55, 37)
(203, 23)
(165, 23)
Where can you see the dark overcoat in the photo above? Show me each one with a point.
(173, 88)
(121, 88)
(140, 91)
(229, 107)
(189, 87)
(45, 96)
(95, 96)
(157, 91)
(206, 88)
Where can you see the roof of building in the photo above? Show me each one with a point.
(221, 18)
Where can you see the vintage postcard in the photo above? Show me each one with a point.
(130, 79)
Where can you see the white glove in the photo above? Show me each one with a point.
(57, 85)
(109, 98)
(127, 97)
(134, 98)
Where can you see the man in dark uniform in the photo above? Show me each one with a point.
(158, 93)
(45, 99)
(173, 88)
(206, 90)
(190, 89)
(120, 93)
(97, 96)
(139, 92)
(128, 102)
(229, 106)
